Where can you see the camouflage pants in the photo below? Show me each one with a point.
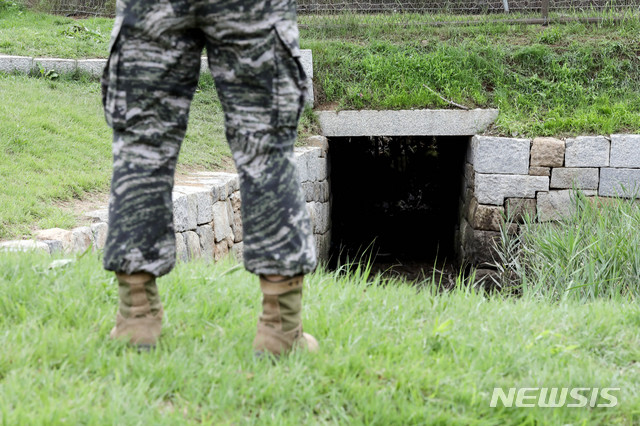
(148, 85)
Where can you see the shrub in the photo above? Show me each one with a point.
(11, 5)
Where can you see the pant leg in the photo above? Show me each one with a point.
(151, 77)
(254, 58)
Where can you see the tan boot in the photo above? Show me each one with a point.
(280, 325)
(139, 318)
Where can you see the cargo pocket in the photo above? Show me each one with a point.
(114, 98)
(290, 85)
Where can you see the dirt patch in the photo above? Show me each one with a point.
(89, 202)
(100, 200)
(226, 165)
(328, 106)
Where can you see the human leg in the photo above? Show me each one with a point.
(280, 324)
(148, 86)
(139, 317)
(261, 85)
(151, 86)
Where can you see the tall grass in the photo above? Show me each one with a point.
(593, 253)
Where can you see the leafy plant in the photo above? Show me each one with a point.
(79, 30)
(48, 74)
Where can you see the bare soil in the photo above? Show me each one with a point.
(100, 200)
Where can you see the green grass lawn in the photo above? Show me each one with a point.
(389, 354)
(56, 147)
(25, 33)
(565, 79)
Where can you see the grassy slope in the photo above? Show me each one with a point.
(56, 146)
(562, 80)
(26, 33)
(390, 355)
(566, 79)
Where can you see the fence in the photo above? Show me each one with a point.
(350, 12)
(75, 8)
(459, 7)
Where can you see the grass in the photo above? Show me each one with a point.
(390, 354)
(565, 79)
(592, 253)
(57, 148)
(27, 33)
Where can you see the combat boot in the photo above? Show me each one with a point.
(139, 318)
(280, 325)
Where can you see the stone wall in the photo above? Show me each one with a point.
(207, 218)
(502, 176)
(536, 177)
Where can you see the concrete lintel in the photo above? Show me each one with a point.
(406, 122)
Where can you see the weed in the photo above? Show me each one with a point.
(48, 74)
(551, 35)
(79, 30)
(11, 6)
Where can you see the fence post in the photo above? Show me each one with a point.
(545, 12)
(505, 3)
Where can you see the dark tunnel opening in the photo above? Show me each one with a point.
(396, 199)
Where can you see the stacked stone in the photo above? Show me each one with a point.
(507, 177)
(76, 240)
(313, 172)
(207, 218)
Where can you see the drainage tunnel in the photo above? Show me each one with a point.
(396, 199)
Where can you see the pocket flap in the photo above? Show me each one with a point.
(289, 35)
(117, 25)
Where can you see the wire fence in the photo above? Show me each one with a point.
(434, 12)
(75, 8)
(459, 7)
(350, 13)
